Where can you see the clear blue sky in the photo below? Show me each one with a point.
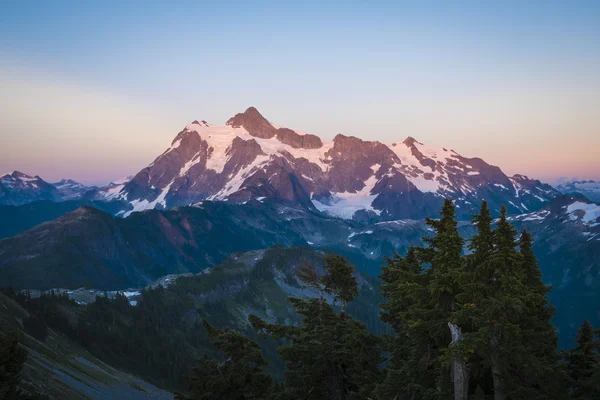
(96, 89)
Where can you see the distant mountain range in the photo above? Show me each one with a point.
(590, 189)
(251, 158)
(89, 248)
(15, 219)
(18, 188)
(250, 184)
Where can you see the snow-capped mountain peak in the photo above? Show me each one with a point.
(69, 189)
(249, 157)
(18, 188)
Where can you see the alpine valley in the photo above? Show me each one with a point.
(216, 227)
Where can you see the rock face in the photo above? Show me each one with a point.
(250, 158)
(18, 188)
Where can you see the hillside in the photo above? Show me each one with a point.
(158, 335)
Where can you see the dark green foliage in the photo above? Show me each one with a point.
(151, 339)
(582, 364)
(12, 358)
(503, 344)
(36, 326)
(409, 374)
(329, 355)
(481, 318)
(161, 338)
(46, 311)
(479, 394)
(239, 376)
(338, 280)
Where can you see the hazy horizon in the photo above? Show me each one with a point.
(96, 91)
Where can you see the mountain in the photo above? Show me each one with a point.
(251, 158)
(68, 189)
(89, 248)
(18, 188)
(567, 244)
(16, 219)
(590, 189)
(107, 192)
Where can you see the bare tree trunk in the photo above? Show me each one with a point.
(458, 369)
(495, 363)
(497, 374)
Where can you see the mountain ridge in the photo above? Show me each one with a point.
(249, 157)
(90, 248)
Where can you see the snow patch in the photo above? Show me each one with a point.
(591, 212)
(345, 204)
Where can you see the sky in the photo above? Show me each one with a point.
(94, 91)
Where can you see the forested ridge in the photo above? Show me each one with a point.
(453, 325)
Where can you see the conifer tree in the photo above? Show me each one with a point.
(238, 377)
(445, 285)
(506, 316)
(404, 287)
(539, 337)
(503, 306)
(583, 364)
(476, 283)
(420, 307)
(310, 278)
(330, 355)
(338, 280)
(12, 359)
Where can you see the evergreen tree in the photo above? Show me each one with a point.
(444, 254)
(426, 360)
(500, 341)
(506, 316)
(539, 338)
(330, 355)
(583, 364)
(12, 359)
(476, 283)
(238, 377)
(410, 371)
(308, 275)
(498, 328)
(338, 280)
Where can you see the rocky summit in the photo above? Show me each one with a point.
(17, 188)
(251, 158)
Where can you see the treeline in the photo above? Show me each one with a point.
(467, 326)
(152, 339)
(161, 338)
